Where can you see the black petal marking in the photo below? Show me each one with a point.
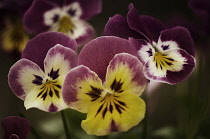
(104, 112)
(149, 52)
(53, 89)
(94, 93)
(53, 74)
(72, 12)
(55, 18)
(165, 47)
(38, 80)
(99, 109)
(110, 108)
(117, 86)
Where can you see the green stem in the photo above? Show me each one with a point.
(145, 125)
(65, 124)
(33, 130)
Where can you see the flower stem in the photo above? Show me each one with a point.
(145, 125)
(65, 124)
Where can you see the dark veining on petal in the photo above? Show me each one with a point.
(44, 96)
(55, 18)
(53, 74)
(104, 112)
(117, 86)
(94, 93)
(119, 105)
(165, 47)
(38, 80)
(149, 52)
(72, 12)
(111, 108)
(57, 93)
(99, 109)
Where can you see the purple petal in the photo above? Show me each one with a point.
(33, 19)
(146, 25)
(23, 76)
(90, 8)
(15, 125)
(37, 48)
(118, 26)
(181, 36)
(99, 52)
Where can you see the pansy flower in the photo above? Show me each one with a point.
(63, 16)
(38, 77)
(15, 127)
(13, 35)
(110, 96)
(167, 54)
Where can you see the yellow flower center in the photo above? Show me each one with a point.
(66, 25)
(162, 61)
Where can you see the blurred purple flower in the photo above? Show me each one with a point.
(13, 36)
(15, 127)
(63, 16)
(167, 54)
(38, 77)
(202, 10)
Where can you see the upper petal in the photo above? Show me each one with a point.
(23, 76)
(125, 75)
(33, 19)
(81, 88)
(15, 125)
(177, 37)
(90, 8)
(37, 48)
(118, 26)
(146, 25)
(97, 54)
(117, 115)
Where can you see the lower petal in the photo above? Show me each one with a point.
(105, 118)
(44, 99)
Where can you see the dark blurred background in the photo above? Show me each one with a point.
(162, 102)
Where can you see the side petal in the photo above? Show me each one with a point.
(177, 37)
(23, 76)
(81, 88)
(144, 48)
(146, 25)
(37, 48)
(97, 54)
(59, 61)
(45, 98)
(33, 19)
(117, 116)
(175, 67)
(18, 126)
(125, 75)
(118, 26)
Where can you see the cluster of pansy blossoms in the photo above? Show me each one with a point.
(107, 77)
